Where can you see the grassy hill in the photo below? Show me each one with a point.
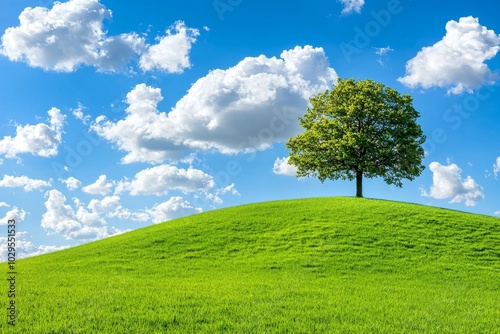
(323, 265)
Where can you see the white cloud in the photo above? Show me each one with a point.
(99, 187)
(175, 207)
(281, 167)
(383, 54)
(352, 6)
(456, 62)
(140, 216)
(72, 183)
(144, 133)
(24, 182)
(25, 247)
(61, 218)
(2, 204)
(383, 51)
(78, 113)
(107, 204)
(497, 212)
(41, 139)
(244, 108)
(171, 54)
(229, 189)
(111, 207)
(214, 196)
(496, 167)
(15, 214)
(44, 249)
(68, 35)
(159, 180)
(252, 104)
(447, 183)
(121, 186)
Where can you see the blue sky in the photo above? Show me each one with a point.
(116, 116)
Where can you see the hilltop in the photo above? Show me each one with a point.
(320, 265)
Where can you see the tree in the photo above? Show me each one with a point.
(359, 129)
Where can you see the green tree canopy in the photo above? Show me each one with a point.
(359, 129)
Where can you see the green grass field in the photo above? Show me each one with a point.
(323, 265)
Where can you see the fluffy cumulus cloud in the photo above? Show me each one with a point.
(144, 132)
(447, 182)
(159, 180)
(281, 167)
(61, 218)
(71, 34)
(24, 182)
(171, 54)
(456, 62)
(41, 139)
(100, 187)
(72, 183)
(43, 249)
(18, 215)
(68, 35)
(175, 207)
(110, 207)
(25, 247)
(89, 222)
(351, 6)
(244, 108)
(252, 104)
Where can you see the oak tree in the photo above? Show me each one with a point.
(359, 129)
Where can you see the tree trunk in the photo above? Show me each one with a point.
(359, 183)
